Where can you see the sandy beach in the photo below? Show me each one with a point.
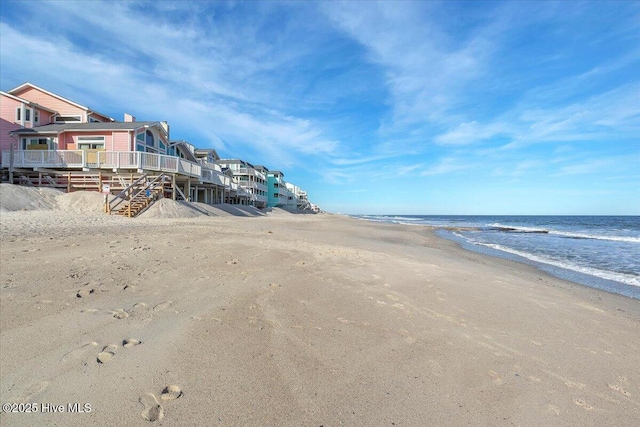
(232, 317)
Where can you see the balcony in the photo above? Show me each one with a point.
(93, 159)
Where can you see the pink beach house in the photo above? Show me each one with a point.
(28, 106)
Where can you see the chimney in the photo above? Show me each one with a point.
(129, 118)
(165, 125)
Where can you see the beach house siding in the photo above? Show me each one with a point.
(122, 141)
(62, 106)
(8, 121)
(276, 189)
(11, 120)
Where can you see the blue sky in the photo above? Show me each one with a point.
(372, 107)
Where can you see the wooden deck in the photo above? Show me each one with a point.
(73, 170)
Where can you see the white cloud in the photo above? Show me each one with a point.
(426, 69)
(447, 165)
(208, 88)
(609, 165)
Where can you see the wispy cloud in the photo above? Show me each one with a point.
(608, 165)
(205, 80)
(424, 66)
(356, 95)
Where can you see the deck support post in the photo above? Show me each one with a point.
(173, 187)
(11, 154)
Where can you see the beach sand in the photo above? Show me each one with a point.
(236, 318)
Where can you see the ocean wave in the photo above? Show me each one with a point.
(519, 229)
(404, 218)
(629, 279)
(628, 239)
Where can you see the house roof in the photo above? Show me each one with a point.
(205, 151)
(235, 162)
(185, 148)
(96, 126)
(26, 101)
(27, 84)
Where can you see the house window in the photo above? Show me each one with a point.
(35, 143)
(36, 116)
(146, 138)
(27, 114)
(90, 143)
(69, 119)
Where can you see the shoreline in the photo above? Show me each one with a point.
(581, 279)
(554, 268)
(290, 319)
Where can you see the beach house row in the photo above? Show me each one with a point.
(49, 140)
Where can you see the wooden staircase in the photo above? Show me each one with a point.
(138, 196)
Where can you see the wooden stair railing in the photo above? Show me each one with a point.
(138, 196)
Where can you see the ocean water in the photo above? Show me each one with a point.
(602, 252)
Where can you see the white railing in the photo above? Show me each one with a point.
(186, 167)
(93, 159)
(210, 165)
(101, 160)
(45, 158)
(212, 176)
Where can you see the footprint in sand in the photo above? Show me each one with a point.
(162, 305)
(152, 409)
(233, 261)
(130, 342)
(79, 352)
(84, 293)
(171, 392)
(139, 305)
(583, 404)
(107, 353)
(120, 314)
(619, 389)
